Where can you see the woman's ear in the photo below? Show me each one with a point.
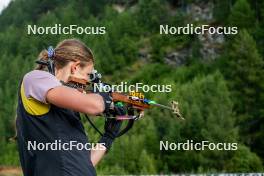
(75, 66)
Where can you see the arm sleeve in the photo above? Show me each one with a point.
(37, 83)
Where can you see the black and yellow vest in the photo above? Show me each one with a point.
(55, 124)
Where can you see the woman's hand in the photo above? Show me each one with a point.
(112, 128)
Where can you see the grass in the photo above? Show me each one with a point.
(10, 171)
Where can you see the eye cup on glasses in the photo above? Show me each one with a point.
(94, 76)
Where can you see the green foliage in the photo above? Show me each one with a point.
(154, 13)
(25, 11)
(139, 145)
(222, 10)
(215, 107)
(10, 155)
(245, 74)
(245, 71)
(245, 161)
(161, 45)
(242, 16)
(206, 105)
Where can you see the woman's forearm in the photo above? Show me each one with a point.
(97, 154)
(69, 98)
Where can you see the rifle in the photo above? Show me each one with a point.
(133, 102)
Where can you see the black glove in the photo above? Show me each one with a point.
(106, 95)
(112, 128)
(107, 100)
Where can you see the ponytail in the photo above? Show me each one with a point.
(43, 56)
(66, 51)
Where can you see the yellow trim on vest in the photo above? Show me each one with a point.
(32, 106)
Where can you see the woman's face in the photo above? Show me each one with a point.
(82, 72)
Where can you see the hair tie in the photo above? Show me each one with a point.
(51, 52)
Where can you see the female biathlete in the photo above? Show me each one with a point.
(48, 113)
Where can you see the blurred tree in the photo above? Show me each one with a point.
(242, 16)
(146, 164)
(20, 12)
(245, 73)
(96, 7)
(222, 10)
(259, 30)
(151, 14)
(206, 105)
(244, 161)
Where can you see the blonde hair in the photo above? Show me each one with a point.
(66, 51)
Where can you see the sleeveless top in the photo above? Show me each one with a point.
(57, 125)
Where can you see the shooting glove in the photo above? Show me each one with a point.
(107, 100)
(106, 97)
(112, 128)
